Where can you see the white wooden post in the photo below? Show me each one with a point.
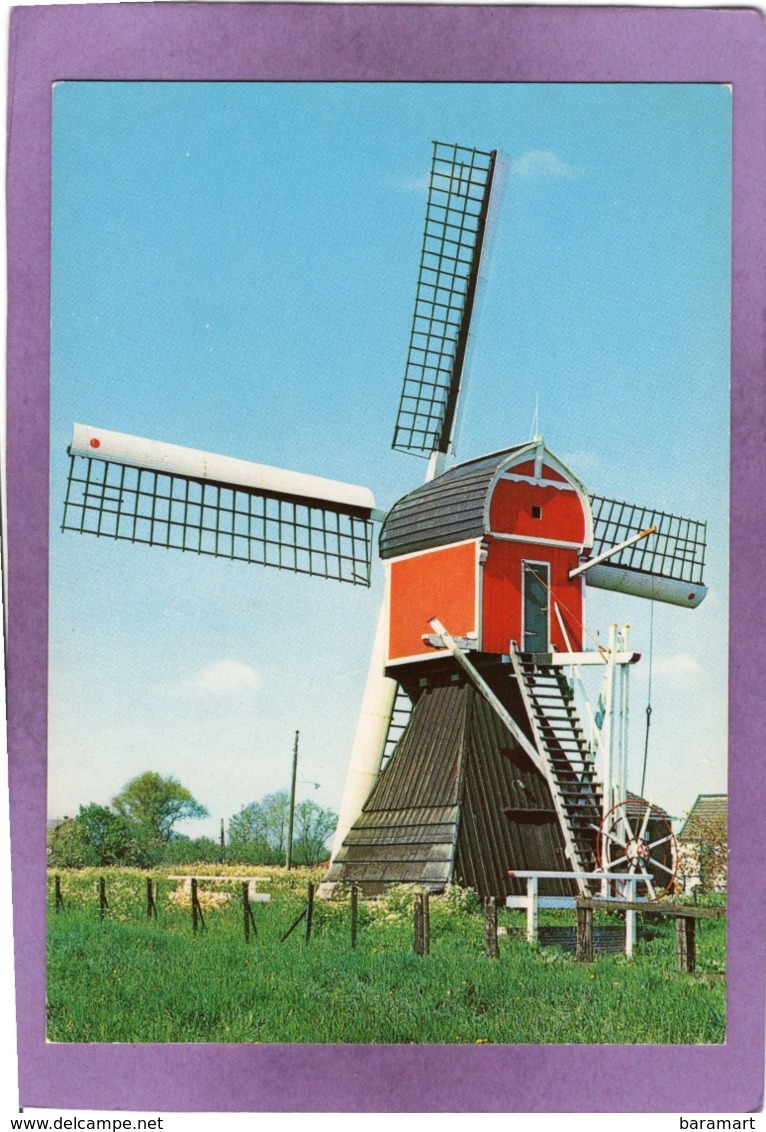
(606, 746)
(630, 917)
(620, 783)
(532, 910)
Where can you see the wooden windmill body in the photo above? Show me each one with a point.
(486, 568)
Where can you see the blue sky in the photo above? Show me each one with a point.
(234, 269)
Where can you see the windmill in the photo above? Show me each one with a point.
(469, 758)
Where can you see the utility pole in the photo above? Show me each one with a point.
(289, 861)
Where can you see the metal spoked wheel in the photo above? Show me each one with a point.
(627, 846)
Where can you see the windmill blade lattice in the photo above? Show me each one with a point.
(456, 215)
(107, 495)
(667, 564)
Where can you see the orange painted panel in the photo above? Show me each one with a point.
(439, 583)
(561, 512)
(502, 594)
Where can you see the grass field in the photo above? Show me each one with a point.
(127, 978)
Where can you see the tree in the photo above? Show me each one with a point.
(713, 853)
(113, 838)
(248, 840)
(311, 828)
(155, 804)
(276, 811)
(68, 847)
(183, 850)
(258, 833)
(98, 836)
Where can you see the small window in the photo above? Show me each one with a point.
(537, 511)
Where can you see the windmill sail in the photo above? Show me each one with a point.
(666, 565)
(144, 491)
(456, 222)
(456, 218)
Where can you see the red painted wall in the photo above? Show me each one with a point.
(511, 511)
(442, 582)
(502, 594)
(438, 583)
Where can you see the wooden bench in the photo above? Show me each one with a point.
(686, 918)
(252, 884)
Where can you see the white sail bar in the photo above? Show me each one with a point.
(173, 459)
(608, 577)
(613, 550)
(576, 659)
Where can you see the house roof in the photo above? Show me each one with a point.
(635, 806)
(445, 510)
(453, 507)
(707, 808)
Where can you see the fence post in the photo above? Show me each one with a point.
(417, 909)
(687, 944)
(309, 911)
(197, 918)
(247, 912)
(490, 928)
(422, 924)
(103, 903)
(584, 946)
(59, 897)
(151, 906)
(354, 914)
(293, 926)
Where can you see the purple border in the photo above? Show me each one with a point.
(377, 42)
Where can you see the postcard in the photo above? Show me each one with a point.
(384, 421)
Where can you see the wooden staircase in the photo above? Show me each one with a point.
(568, 762)
(397, 724)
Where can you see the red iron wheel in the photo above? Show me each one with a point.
(628, 846)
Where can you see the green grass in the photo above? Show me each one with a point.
(128, 979)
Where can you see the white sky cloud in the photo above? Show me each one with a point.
(223, 678)
(540, 163)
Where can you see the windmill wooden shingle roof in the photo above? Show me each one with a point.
(445, 510)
